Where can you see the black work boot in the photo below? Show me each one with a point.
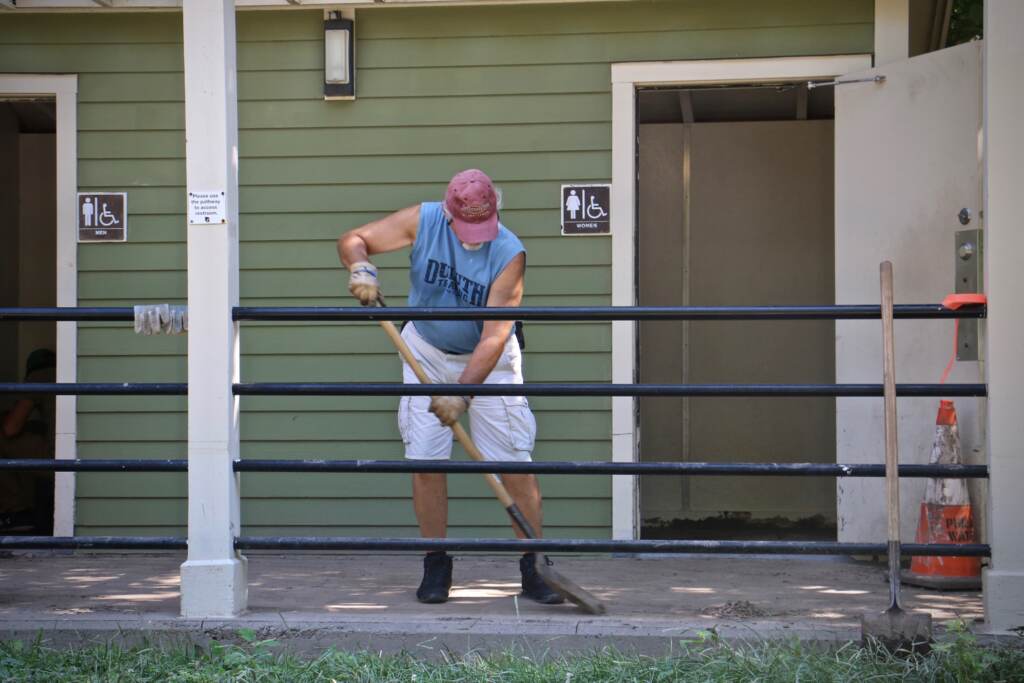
(534, 587)
(437, 578)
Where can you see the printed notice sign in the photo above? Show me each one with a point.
(102, 216)
(586, 210)
(207, 208)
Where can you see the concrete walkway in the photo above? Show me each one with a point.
(314, 601)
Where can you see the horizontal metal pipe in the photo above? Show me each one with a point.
(27, 313)
(596, 389)
(312, 313)
(96, 388)
(541, 389)
(497, 545)
(601, 546)
(627, 468)
(844, 312)
(94, 542)
(502, 467)
(125, 465)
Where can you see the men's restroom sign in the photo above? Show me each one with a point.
(102, 216)
(586, 210)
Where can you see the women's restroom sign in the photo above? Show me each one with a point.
(586, 210)
(102, 216)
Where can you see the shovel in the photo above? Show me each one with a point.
(569, 589)
(895, 629)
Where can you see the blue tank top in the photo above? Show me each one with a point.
(443, 273)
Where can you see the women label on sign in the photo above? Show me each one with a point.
(206, 208)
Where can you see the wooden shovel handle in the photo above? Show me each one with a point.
(892, 482)
(460, 433)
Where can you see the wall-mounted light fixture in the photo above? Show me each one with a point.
(339, 58)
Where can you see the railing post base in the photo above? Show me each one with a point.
(214, 588)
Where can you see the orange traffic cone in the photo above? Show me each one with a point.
(946, 516)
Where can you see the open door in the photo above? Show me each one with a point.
(907, 162)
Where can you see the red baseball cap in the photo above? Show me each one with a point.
(473, 204)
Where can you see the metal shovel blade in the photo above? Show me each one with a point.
(898, 630)
(569, 589)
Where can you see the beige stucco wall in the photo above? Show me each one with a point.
(908, 159)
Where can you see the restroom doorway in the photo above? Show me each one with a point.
(735, 208)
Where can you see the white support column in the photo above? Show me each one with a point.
(213, 579)
(892, 31)
(624, 488)
(1004, 361)
(65, 435)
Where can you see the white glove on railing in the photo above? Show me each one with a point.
(153, 319)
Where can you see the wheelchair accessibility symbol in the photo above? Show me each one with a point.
(586, 209)
(102, 216)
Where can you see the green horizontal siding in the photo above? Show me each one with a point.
(286, 427)
(354, 141)
(270, 339)
(339, 199)
(544, 252)
(565, 19)
(302, 511)
(276, 171)
(384, 111)
(324, 283)
(408, 531)
(520, 90)
(281, 229)
(297, 485)
(301, 447)
(306, 84)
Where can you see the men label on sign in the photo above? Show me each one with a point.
(586, 209)
(102, 216)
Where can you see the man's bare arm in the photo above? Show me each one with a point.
(506, 291)
(394, 231)
(15, 419)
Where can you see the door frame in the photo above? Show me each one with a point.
(626, 78)
(63, 88)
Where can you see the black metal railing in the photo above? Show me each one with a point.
(549, 313)
(529, 389)
(67, 313)
(690, 469)
(605, 313)
(546, 545)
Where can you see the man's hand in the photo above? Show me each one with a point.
(448, 408)
(362, 282)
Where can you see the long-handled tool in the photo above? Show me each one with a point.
(895, 629)
(556, 580)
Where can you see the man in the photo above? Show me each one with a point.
(461, 256)
(26, 432)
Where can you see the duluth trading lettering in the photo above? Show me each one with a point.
(446, 277)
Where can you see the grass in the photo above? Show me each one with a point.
(960, 659)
